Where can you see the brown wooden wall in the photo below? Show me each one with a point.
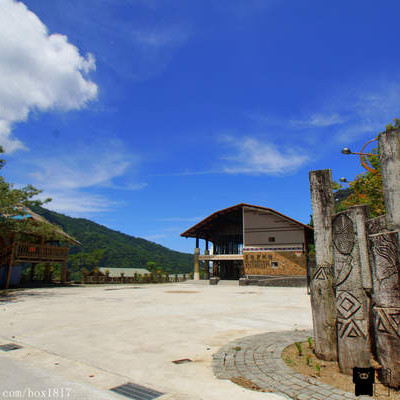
(261, 263)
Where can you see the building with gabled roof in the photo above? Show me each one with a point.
(32, 249)
(249, 240)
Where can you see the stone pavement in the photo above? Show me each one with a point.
(258, 359)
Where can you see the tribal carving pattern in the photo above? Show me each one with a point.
(350, 329)
(387, 320)
(344, 242)
(385, 249)
(347, 305)
(324, 273)
(343, 234)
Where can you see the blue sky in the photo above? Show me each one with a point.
(148, 115)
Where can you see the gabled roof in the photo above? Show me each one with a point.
(26, 213)
(196, 229)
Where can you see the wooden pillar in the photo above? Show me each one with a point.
(215, 268)
(10, 263)
(321, 285)
(47, 273)
(196, 275)
(63, 272)
(206, 265)
(32, 275)
(206, 262)
(352, 274)
(389, 157)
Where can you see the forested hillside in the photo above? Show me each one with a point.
(104, 247)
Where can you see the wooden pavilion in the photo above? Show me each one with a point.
(249, 240)
(34, 248)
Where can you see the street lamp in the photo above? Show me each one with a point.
(347, 151)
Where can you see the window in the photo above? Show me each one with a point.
(271, 239)
(275, 264)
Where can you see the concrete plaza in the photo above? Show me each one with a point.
(100, 337)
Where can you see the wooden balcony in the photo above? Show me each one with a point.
(34, 253)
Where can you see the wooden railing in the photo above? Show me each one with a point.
(31, 251)
(98, 279)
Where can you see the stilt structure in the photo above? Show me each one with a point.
(34, 249)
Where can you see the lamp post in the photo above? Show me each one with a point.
(347, 151)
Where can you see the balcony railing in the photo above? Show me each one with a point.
(30, 251)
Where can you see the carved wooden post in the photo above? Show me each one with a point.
(389, 157)
(322, 292)
(384, 239)
(385, 258)
(352, 276)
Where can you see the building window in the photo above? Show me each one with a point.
(271, 239)
(275, 264)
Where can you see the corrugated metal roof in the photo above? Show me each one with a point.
(196, 229)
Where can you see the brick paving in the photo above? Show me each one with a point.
(258, 359)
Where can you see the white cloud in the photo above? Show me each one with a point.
(38, 71)
(370, 111)
(320, 120)
(77, 203)
(156, 236)
(252, 156)
(160, 38)
(72, 179)
(77, 171)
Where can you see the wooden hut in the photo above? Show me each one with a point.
(33, 248)
(249, 240)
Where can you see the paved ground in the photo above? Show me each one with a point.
(258, 358)
(104, 336)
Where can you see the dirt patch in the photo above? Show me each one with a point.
(328, 371)
(247, 384)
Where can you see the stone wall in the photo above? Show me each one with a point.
(275, 263)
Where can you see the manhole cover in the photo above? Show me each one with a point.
(10, 346)
(136, 392)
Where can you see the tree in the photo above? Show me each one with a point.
(151, 266)
(13, 202)
(366, 188)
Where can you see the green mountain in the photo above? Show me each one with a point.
(104, 247)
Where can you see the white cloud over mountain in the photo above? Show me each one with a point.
(38, 70)
(253, 156)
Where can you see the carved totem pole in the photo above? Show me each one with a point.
(384, 248)
(321, 284)
(355, 288)
(352, 283)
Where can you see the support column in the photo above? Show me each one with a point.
(10, 263)
(32, 275)
(321, 285)
(47, 273)
(206, 263)
(196, 275)
(215, 269)
(63, 273)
